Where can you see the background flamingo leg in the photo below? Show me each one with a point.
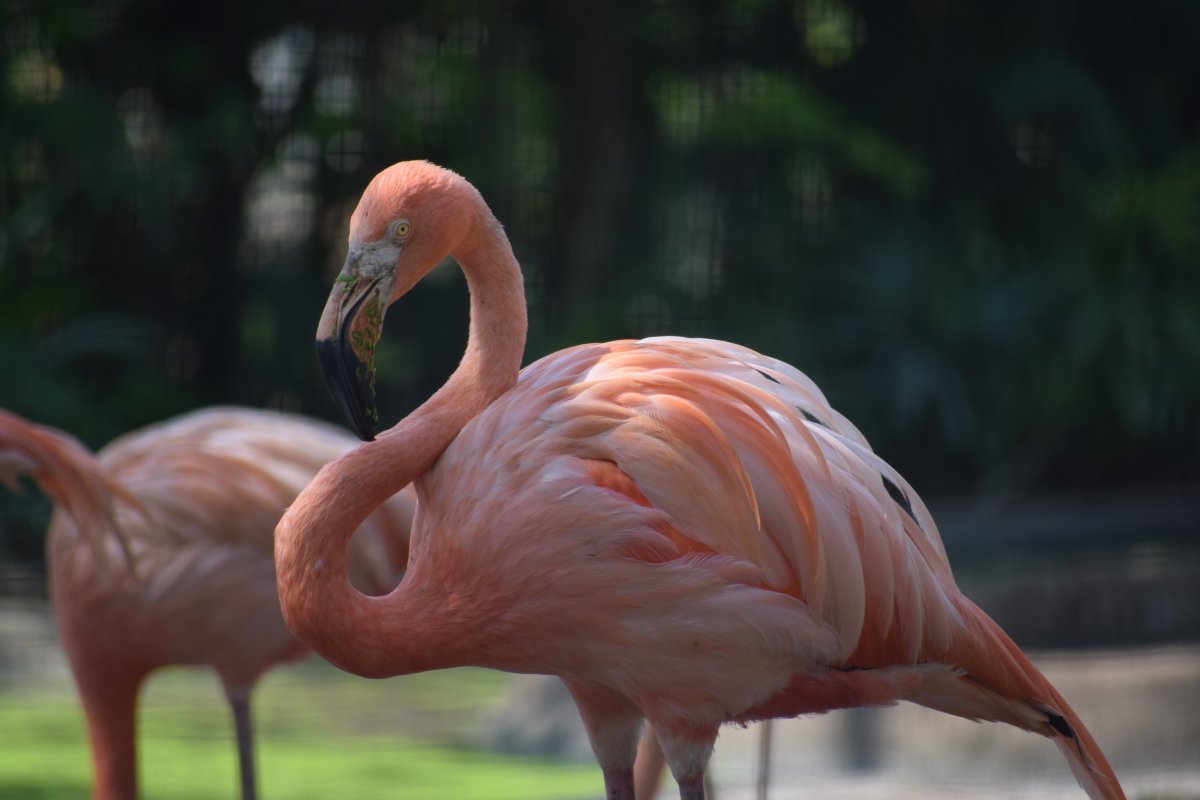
(648, 771)
(239, 703)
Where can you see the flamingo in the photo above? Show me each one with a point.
(160, 552)
(683, 530)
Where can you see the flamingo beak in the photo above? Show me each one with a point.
(346, 336)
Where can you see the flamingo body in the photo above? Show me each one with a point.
(728, 542)
(683, 530)
(161, 553)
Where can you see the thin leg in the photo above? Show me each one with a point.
(245, 744)
(763, 784)
(692, 788)
(687, 749)
(648, 771)
(618, 784)
(650, 766)
(613, 726)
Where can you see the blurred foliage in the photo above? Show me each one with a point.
(974, 225)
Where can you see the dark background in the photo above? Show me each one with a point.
(975, 225)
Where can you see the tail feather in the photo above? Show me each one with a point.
(1001, 684)
(1088, 764)
(69, 474)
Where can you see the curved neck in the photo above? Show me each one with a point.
(403, 631)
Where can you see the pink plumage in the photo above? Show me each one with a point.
(161, 552)
(683, 530)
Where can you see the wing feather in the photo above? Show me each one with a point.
(719, 484)
(746, 457)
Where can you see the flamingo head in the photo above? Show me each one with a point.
(411, 216)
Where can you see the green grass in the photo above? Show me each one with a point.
(321, 734)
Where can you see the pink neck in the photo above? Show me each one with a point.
(406, 630)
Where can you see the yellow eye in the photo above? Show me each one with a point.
(401, 229)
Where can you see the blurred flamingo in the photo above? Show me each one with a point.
(683, 530)
(160, 552)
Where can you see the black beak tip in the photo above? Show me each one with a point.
(364, 432)
(351, 386)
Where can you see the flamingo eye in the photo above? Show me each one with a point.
(400, 230)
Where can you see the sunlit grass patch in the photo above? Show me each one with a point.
(321, 734)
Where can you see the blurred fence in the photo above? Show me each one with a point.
(974, 225)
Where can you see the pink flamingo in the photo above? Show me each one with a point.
(683, 530)
(160, 552)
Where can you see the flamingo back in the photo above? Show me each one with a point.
(166, 535)
(703, 483)
(745, 459)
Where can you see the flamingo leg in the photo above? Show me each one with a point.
(687, 750)
(648, 771)
(243, 727)
(618, 784)
(692, 788)
(613, 726)
(763, 783)
(110, 699)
